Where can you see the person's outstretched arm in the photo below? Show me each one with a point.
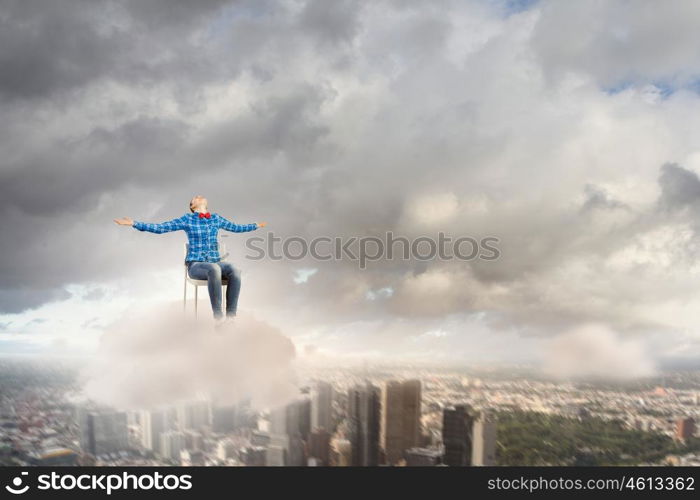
(239, 228)
(160, 228)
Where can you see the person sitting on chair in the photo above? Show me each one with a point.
(203, 260)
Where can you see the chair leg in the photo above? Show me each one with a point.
(184, 298)
(196, 289)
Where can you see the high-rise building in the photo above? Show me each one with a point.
(153, 423)
(363, 424)
(319, 446)
(484, 440)
(288, 426)
(457, 426)
(193, 415)
(277, 451)
(322, 407)
(194, 440)
(171, 444)
(226, 449)
(292, 418)
(685, 428)
(423, 457)
(400, 423)
(304, 416)
(223, 418)
(103, 431)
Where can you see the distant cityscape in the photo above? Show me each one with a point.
(360, 416)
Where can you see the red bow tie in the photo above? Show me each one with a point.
(202, 215)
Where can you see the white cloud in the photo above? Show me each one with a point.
(160, 358)
(595, 350)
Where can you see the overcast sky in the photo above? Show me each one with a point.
(565, 129)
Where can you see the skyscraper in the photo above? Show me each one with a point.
(103, 431)
(153, 424)
(685, 428)
(322, 407)
(171, 443)
(193, 415)
(226, 449)
(457, 426)
(363, 424)
(194, 440)
(223, 418)
(319, 446)
(288, 426)
(277, 451)
(400, 423)
(293, 418)
(484, 440)
(304, 416)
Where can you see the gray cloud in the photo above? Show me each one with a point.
(16, 300)
(597, 198)
(69, 44)
(332, 23)
(680, 188)
(616, 42)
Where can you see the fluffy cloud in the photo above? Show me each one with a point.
(596, 351)
(160, 358)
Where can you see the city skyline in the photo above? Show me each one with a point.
(464, 420)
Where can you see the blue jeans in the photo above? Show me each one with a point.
(213, 272)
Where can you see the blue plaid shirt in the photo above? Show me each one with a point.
(201, 233)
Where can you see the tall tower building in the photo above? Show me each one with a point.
(193, 415)
(276, 454)
(103, 431)
(153, 424)
(288, 426)
(171, 444)
(400, 423)
(223, 418)
(304, 416)
(457, 426)
(319, 446)
(484, 440)
(685, 428)
(363, 424)
(322, 407)
(226, 449)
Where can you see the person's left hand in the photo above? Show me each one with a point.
(261, 224)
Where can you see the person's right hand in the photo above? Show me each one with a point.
(125, 221)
